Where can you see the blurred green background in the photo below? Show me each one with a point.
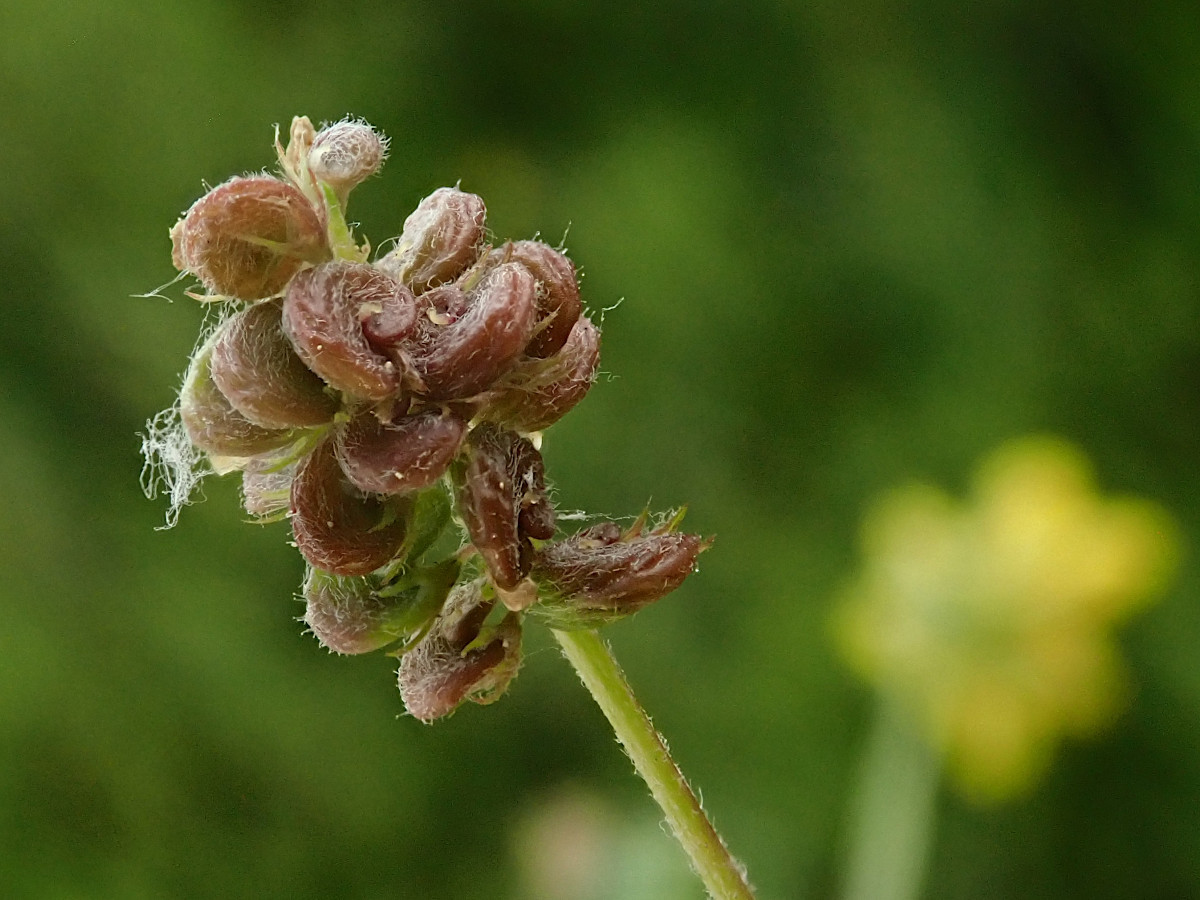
(856, 242)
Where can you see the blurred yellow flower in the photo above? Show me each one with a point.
(991, 622)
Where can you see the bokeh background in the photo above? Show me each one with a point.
(854, 243)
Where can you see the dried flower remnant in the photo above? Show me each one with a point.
(991, 622)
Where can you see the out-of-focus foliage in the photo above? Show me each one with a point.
(856, 243)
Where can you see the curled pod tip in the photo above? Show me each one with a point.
(558, 302)
(324, 312)
(459, 358)
(258, 371)
(247, 237)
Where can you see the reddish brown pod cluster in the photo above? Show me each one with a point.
(376, 404)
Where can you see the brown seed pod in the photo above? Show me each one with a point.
(536, 393)
(599, 570)
(441, 239)
(440, 673)
(463, 357)
(345, 614)
(501, 490)
(258, 371)
(558, 303)
(211, 422)
(246, 238)
(323, 314)
(336, 528)
(346, 154)
(406, 454)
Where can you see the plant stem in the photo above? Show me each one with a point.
(602, 676)
(896, 811)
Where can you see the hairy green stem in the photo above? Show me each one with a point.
(593, 660)
(896, 811)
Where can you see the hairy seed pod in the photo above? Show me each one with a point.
(487, 503)
(346, 154)
(441, 239)
(558, 304)
(500, 484)
(258, 371)
(406, 454)
(462, 358)
(346, 614)
(211, 422)
(440, 673)
(336, 528)
(536, 393)
(599, 570)
(323, 314)
(246, 238)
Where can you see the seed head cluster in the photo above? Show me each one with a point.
(377, 404)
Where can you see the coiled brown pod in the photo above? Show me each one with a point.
(440, 673)
(406, 454)
(258, 371)
(536, 393)
(346, 614)
(441, 239)
(460, 358)
(601, 572)
(358, 615)
(246, 238)
(336, 528)
(210, 420)
(558, 303)
(323, 314)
